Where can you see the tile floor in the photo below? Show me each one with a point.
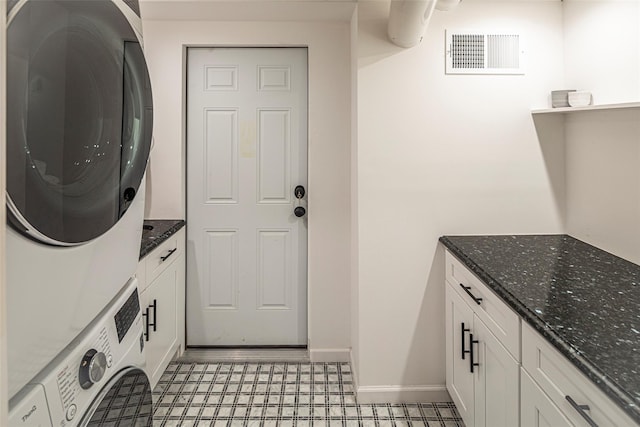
(279, 394)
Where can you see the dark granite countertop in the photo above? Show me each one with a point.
(584, 300)
(161, 231)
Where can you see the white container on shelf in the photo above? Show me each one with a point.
(560, 98)
(579, 98)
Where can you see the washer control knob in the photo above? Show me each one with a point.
(92, 368)
(109, 360)
(71, 412)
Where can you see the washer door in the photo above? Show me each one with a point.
(79, 118)
(124, 402)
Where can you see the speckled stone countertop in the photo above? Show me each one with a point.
(161, 231)
(584, 300)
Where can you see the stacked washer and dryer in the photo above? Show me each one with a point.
(79, 125)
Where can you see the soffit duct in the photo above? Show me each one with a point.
(408, 19)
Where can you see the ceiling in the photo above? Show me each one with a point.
(248, 10)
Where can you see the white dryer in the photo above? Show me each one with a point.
(98, 380)
(79, 124)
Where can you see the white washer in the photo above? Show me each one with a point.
(79, 123)
(99, 379)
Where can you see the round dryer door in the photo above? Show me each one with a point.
(79, 118)
(125, 401)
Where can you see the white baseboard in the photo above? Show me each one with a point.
(382, 394)
(320, 355)
(402, 394)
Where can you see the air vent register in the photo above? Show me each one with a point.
(469, 52)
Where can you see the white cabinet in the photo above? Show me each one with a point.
(482, 375)
(497, 382)
(503, 322)
(571, 392)
(162, 272)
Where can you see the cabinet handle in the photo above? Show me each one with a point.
(462, 334)
(471, 362)
(164, 258)
(467, 289)
(146, 323)
(581, 410)
(155, 314)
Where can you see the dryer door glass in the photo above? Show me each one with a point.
(79, 118)
(125, 401)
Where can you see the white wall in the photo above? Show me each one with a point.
(603, 180)
(442, 154)
(329, 148)
(602, 48)
(602, 45)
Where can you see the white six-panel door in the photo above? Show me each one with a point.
(246, 153)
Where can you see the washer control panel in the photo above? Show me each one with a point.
(71, 378)
(127, 314)
(68, 387)
(74, 379)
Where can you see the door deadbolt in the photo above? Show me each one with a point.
(299, 192)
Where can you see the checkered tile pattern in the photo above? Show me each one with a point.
(279, 394)
(126, 404)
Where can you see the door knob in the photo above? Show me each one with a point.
(299, 192)
(299, 211)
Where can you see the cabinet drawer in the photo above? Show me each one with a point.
(536, 409)
(162, 256)
(558, 378)
(503, 322)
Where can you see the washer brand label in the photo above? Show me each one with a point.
(33, 409)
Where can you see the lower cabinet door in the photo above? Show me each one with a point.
(537, 410)
(497, 385)
(459, 324)
(159, 302)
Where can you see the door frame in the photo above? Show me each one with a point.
(185, 82)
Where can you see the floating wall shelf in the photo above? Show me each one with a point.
(562, 110)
